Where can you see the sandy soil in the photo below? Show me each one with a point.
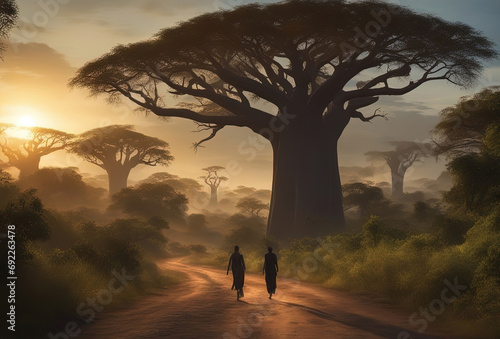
(205, 307)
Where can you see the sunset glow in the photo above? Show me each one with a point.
(26, 121)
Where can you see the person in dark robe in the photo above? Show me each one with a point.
(270, 269)
(237, 265)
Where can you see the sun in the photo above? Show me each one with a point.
(26, 121)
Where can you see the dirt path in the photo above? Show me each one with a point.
(205, 307)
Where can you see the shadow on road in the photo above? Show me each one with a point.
(360, 322)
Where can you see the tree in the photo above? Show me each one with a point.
(476, 182)
(469, 134)
(149, 200)
(3, 128)
(399, 160)
(28, 214)
(462, 127)
(8, 190)
(213, 180)
(117, 149)
(8, 16)
(25, 154)
(362, 196)
(251, 206)
(63, 188)
(187, 186)
(300, 57)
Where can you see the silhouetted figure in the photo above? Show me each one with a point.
(237, 265)
(270, 269)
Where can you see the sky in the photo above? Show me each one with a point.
(56, 37)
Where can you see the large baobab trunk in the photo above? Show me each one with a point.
(117, 178)
(307, 194)
(27, 166)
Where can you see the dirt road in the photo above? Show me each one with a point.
(205, 307)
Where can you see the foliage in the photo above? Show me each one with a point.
(463, 126)
(8, 16)
(424, 211)
(362, 196)
(198, 248)
(8, 190)
(186, 186)
(62, 188)
(218, 56)
(150, 200)
(477, 182)
(120, 143)
(409, 268)
(25, 153)
(251, 206)
(28, 214)
(69, 274)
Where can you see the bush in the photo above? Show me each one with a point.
(198, 248)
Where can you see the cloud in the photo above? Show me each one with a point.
(156, 7)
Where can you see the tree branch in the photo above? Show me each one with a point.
(204, 127)
(360, 116)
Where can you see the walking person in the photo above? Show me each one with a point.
(237, 265)
(270, 269)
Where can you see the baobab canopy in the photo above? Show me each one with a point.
(308, 58)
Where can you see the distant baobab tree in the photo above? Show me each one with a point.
(213, 180)
(25, 153)
(405, 154)
(117, 149)
(301, 57)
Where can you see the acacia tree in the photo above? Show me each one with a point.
(25, 153)
(462, 127)
(300, 57)
(251, 206)
(469, 134)
(117, 149)
(400, 159)
(8, 16)
(213, 180)
(361, 195)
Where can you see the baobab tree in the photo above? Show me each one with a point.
(117, 149)
(405, 154)
(25, 153)
(301, 58)
(213, 180)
